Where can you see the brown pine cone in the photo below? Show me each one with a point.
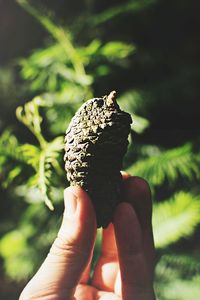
(95, 143)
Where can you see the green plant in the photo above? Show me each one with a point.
(175, 218)
(63, 74)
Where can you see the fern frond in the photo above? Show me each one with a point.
(139, 124)
(47, 161)
(168, 165)
(174, 271)
(185, 265)
(131, 102)
(42, 160)
(30, 154)
(9, 147)
(117, 50)
(49, 68)
(61, 35)
(11, 160)
(175, 218)
(178, 289)
(30, 117)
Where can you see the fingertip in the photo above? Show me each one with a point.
(138, 185)
(137, 192)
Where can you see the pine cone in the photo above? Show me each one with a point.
(95, 143)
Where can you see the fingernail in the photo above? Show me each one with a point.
(70, 206)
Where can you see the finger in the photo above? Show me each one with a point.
(85, 292)
(135, 277)
(138, 194)
(107, 266)
(86, 273)
(72, 249)
(102, 295)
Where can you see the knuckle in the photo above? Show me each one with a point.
(69, 249)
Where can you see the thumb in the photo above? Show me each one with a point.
(70, 252)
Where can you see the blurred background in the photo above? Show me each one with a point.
(54, 55)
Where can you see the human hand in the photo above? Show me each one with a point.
(125, 267)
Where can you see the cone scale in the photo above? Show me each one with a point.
(95, 144)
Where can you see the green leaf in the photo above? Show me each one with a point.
(175, 219)
(179, 289)
(170, 165)
(12, 163)
(48, 160)
(139, 124)
(183, 265)
(42, 160)
(8, 146)
(117, 50)
(30, 117)
(31, 154)
(12, 175)
(60, 34)
(47, 68)
(131, 102)
(92, 49)
(175, 269)
(14, 238)
(113, 12)
(16, 253)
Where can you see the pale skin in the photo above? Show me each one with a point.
(124, 270)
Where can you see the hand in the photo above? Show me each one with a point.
(125, 267)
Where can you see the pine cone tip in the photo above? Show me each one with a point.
(111, 98)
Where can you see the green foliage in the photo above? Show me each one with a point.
(8, 146)
(186, 266)
(44, 158)
(61, 35)
(63, 74)
(177, 277)
(181, 290)
(9, 156)
(44, 163)
(132, 101)
(17, 262)
(168, 165)
(175, 218)
(116, 50)
(128, 7)
(30, 117)
(49, 69)
(16, 239)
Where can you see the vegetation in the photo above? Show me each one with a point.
(59, 77)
